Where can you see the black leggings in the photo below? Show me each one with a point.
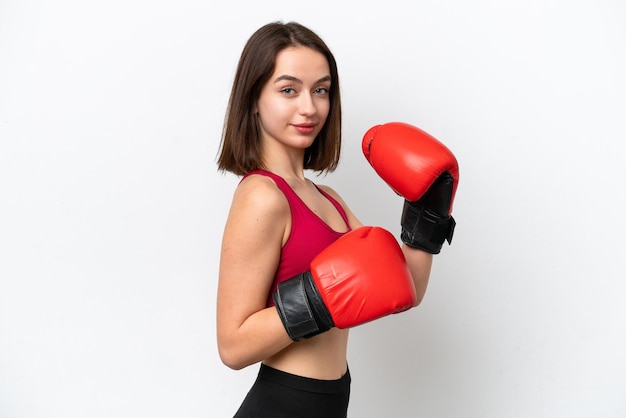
(277, 394)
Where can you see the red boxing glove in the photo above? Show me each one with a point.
(423, 171)
(360, 277)
(363, 276)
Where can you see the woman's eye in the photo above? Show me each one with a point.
(288, 90)
(321, 90)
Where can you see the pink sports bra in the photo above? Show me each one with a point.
(309, 233)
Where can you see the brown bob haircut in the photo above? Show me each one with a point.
(240, 148)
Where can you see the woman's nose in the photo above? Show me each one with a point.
(306, 104)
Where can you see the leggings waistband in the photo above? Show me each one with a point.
(304, 383)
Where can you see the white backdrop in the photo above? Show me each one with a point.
(112, 209)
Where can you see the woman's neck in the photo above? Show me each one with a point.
(287, 166)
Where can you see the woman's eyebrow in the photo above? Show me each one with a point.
(297, 80)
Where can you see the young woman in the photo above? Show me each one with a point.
(284, 117)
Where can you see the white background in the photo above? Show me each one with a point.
(112, 209)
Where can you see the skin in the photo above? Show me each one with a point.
(292, 109)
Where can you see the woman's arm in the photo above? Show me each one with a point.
(419, 263)
(247, 331)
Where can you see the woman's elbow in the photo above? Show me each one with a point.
(232, 363)
(231, 358)
(236, 353)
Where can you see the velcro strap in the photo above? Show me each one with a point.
(444, 230)
(293, 307)
(321, 314)
(424, 229)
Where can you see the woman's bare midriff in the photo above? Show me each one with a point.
(321, 357)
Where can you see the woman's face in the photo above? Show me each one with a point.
(294, 103)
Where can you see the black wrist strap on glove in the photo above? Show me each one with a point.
(425, 229)
(301, 308)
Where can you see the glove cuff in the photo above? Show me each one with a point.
(300, 307)
(424, 229)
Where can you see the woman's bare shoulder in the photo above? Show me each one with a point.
(330, 191)
(258, 199)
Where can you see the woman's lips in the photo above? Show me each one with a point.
(305, 128)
